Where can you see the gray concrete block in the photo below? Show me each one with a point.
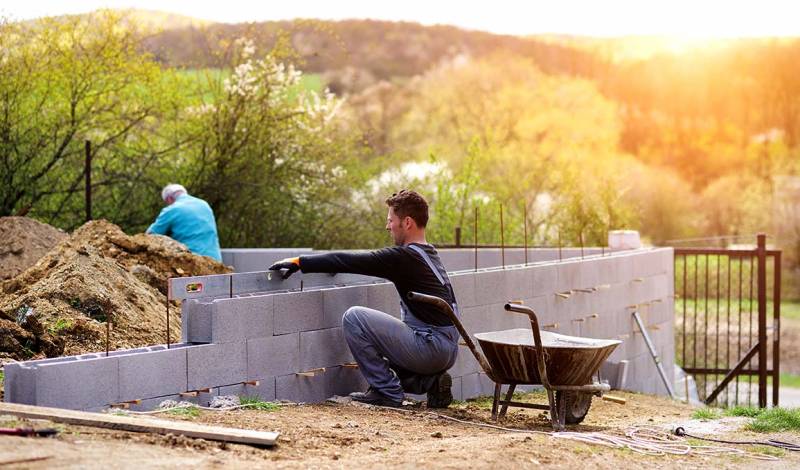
(491, 287)
(259, 259)
(470, 386)
(196, 321)
(227, 258)
(544, 279)
(455, 259)
(152, 374)
(476, 319)
(343, 380)
(19, 384)
(457, 395)
(301, 389)
(78, 385)
(241, 318)
(336, 301)
(519, 284)
(464, 288)
(465, 363)
(590, 273)
(272, 356)
(384, 297)
(265, 390)
(297, 311)
(569, 275)
(487, 385)
(211, 365)
(323, 348)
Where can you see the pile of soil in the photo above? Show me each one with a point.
(60, 305)
(23, 242)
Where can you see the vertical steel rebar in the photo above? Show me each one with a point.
(559, 244)
(475, 229)
(762, 320)
(168, 323)
(108, 331)
(502, 240)
(525, 229)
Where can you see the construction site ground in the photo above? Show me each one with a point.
(351, 436)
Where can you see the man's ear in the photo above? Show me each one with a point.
(409, 223)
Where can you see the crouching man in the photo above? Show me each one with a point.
(412, 354)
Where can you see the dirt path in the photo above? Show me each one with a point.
(349, 436)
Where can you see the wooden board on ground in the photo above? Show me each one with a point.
(141, 424)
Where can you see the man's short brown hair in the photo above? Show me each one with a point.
(409, 204)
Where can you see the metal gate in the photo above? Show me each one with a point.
(724, 336)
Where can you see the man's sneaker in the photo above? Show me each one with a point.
(440, 395)
(373, 397)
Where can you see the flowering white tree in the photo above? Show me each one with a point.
(267, 154)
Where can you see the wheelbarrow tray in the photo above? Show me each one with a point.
(569, 360)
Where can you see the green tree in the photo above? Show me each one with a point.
(64, 81)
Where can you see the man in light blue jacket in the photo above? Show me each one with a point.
(188, 220)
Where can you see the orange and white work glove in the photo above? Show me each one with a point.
(290, 265)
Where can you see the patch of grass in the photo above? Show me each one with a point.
(255, 403)
(768, 450)
(743, 411)
(707, 413)
(789, 380)
(186, 411)
(60, 325)
(790, 309)
(776, 420)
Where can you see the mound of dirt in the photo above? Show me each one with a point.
(22, 242)
(61, 304)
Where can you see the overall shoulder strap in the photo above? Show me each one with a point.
(430, 263)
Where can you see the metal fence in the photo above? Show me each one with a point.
(725, 337)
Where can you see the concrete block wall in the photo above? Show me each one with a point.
(246, 260)
(291, 343)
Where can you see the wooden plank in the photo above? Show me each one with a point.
(141, 424)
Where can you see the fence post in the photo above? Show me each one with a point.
(87, 171)
(761, 253)
(776, 332)
(458, 237)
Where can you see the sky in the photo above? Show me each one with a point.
(679, 18)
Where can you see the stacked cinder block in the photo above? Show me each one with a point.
(268, 338)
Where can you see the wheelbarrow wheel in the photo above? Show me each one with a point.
(576, 407)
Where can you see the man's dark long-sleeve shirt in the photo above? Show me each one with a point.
(399, 264)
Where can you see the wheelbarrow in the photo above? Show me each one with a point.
(563, 365)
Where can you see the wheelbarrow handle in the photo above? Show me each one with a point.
(447, 309)
(537, 339)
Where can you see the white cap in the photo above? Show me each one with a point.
(172, 190)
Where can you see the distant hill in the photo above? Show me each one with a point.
(149, 21)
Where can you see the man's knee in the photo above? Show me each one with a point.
(351, 320)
